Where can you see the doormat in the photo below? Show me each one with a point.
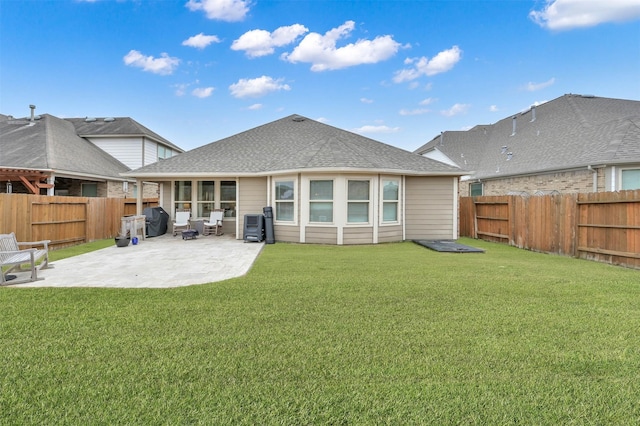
(448, 246)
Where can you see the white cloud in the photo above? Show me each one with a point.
(255, 107)
(257, 87)
(261, 42)
(366, 100)
(456, 109)
(322, 119)
(570, 14)
(376, 129)
(442, 62)
(532, 87)
(164, 65)
(200, 41)
(202, 92)
(417, 111)
(428, 101)
(321, 51)
(494, 108)
(222, 10)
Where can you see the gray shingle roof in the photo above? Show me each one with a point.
(116, 126)
(568, 132)
(51, 143)
(294, 143)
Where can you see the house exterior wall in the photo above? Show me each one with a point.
(252, 198)
(426, 207)
(390, 233)
(572, 181)
(359, 235)
(150, 153)
(321, 235)
(115, 190)
(430, 208)
(127, 150)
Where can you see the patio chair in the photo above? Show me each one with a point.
(181, 222)
(215, 223)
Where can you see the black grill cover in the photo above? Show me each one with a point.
(156, 222)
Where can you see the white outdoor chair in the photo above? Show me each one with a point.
(215, 223)
(181, 222)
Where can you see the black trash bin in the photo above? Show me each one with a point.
(156, 222)
(269, 236)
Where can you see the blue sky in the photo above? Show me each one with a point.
(400, 72)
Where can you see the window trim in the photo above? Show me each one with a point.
(368, 201)
(471, 184)
(294, 201)
(626, 169)
(332, 200)
(382, 201)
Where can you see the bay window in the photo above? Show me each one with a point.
(358, 201)
(321, 201)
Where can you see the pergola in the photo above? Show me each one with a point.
(33, 180)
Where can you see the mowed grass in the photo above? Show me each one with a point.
(386, 334)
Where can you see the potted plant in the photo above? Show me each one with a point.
(122, 240)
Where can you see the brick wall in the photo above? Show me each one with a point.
(576, 181)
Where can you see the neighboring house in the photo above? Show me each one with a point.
(125, 139)
(325, 185)
(575, 143)
(45, 154)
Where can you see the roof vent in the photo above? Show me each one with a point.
(298, 119)
(107, 119)
(89, 119)
(514, 125)
(533, 113)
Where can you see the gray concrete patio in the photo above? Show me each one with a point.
(159, 262)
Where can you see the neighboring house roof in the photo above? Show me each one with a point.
(116, 127)
(51, 144)
(569, 132)
(292, 144)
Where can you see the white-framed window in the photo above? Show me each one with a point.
(285, 200)
(476, 189)
(630, 179)
(358, 201)
(164, 152)
(182, 195)
(390, 199)
(321, 201)
(206, 198)
(228, 197)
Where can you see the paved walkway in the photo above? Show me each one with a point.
(159, 262)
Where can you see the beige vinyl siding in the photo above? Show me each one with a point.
(357, 235)
(286, 233)
(388, 234)
(252, 198)
(321, 235)
(429, 208)
(167, 203)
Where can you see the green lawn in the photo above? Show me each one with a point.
(386, 334)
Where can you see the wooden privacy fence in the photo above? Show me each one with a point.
(602, 226)
(66, 221)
